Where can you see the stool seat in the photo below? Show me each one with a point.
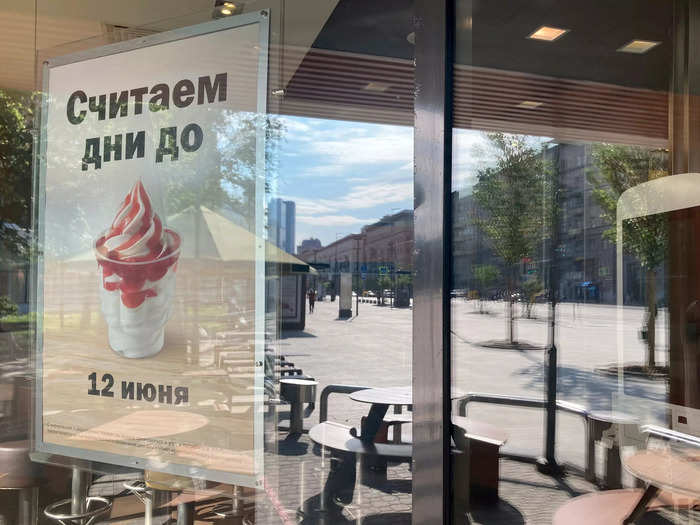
(298, 390)
(17, 471)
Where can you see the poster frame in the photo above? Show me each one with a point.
(98, 461)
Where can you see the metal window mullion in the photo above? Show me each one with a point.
(432, 258)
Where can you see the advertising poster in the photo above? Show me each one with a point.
(150, 280)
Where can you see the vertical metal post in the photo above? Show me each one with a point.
(684, 361)
(28, 506)
(79, 491)
(296, 417)
(148, 510)
(548, 464)
(185, 513)
(431, 310)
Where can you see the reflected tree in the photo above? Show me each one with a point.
(512, 194)
(620, 168)
(532, 288)
(485, 276)
(16, 121)
(233, 185)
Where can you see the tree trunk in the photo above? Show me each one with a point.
(511, 321)
(511, 318)
(651, 318)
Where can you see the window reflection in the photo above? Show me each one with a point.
(619, 308)
(338, 228)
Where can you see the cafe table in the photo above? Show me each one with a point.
(665, 470)
(380, 400)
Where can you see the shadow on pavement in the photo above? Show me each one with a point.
(500, 513)
(588, 386)
(291, 334)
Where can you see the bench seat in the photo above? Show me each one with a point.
(476, 460)
(338, 438)
(344, 449)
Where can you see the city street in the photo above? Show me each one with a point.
(374, 349)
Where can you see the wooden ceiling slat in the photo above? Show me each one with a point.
(599, 125)
(303, 109)
(577, 108)
(356, 99)
(658, 102)
(355, 73)
(591, 115)
(539, 80)
(352, 83)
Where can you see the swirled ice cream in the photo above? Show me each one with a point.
(137, 260)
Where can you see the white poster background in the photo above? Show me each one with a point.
(76, 205)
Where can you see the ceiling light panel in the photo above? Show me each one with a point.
(638, 47)
(529, 104)
(379, 87)
(548, 33)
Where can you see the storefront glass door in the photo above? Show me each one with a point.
(206, 290)
(572, 303)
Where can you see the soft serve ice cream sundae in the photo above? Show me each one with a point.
(137, 260)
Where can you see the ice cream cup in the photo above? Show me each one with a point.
(136, 299)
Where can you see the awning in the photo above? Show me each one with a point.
(218, 238)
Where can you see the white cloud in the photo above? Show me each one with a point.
(373, 148)
(331, 149)
(333, 220)
(294, 125)
(306, 206)
(359, 197)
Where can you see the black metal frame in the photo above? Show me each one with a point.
(434, 28)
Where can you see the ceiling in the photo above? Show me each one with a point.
(53, 24)
(352, 59)
(597, 28)
(57, 27)
(492, 34)
(581, 86)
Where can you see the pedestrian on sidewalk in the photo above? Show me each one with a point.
(312, 300)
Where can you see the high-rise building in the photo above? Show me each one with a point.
(308, 245)
(282, 224)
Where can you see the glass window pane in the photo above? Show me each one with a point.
(206, 261)
(572, 294)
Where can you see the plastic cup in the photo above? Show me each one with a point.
(137, 299)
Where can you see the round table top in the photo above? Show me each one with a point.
(666, 470)
(393, 395)
(299, 382)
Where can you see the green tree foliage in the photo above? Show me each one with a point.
(620, 168)
(512, 194)
(485, 275)
(531, 289)
(7, 307)
(404, 280)
(384, 282)
(233, 185)
(16, 121)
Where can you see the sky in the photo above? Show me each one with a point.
(343, 175)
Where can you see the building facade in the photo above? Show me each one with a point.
(282, 224)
